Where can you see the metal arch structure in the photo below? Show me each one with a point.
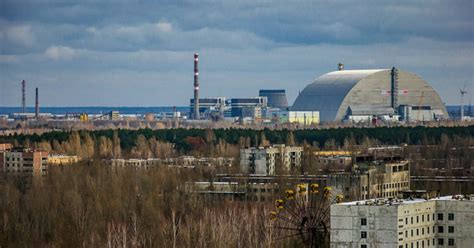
(333, 93)
(304, 214)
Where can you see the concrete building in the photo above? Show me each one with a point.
(62, 159)
(21, 160)
(275, 98)
(265, 160)
(210, 107)
(248, 107)
(372, 180)
(408, 223)
(338, 95)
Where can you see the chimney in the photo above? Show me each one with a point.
(394, 89)
(23, 96)
(196, 87)
(340, 66)
(37, 108)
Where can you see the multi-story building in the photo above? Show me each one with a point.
(409, 223)
(62, 159)
(210, 107)
(24, 160)
(372, 180)
(265, 160)
(248, 107)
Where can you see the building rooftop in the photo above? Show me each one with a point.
(395, 201)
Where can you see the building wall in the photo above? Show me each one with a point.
(404, 223)
(266, 160)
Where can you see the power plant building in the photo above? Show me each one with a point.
(361, 94)
(275, 98)
(248, 107)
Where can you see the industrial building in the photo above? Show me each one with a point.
(409, 223)
(24, 161)
(265, 160)
(211, 107)
(276, 98)
(361, 95)
(248, 107)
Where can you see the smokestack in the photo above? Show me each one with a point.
(23, 96)
(196, 86)
(37, 107)
(394, 90)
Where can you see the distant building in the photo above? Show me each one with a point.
(62, 159)
(440, 222)
(210, 107)
(264, 160)
(276, 98)
(358, 94)
(23, 160)
(248, 107)
(372, 180)
(305, 118)
(5, 146)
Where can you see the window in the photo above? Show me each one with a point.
(451, 242)
(450, 216)
(422, 218)
(411, 220)
(417, 219)
(422, 231)
(400, 246)
(440, 241)
(363, 235)
(440, 229)
(412, 232)
(440, 216)
(363, 246)
(428, 217)
(363, 222)
(417, 232)
(450, 229)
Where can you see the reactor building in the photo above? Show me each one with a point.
(363, 95)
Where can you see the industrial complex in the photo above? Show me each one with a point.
(348, 97)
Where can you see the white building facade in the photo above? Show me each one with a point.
(264, 160)
(414, 223)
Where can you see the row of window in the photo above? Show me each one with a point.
(439, 215)
(392, 185)
(440, 230)
(421, 244)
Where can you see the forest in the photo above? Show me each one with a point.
(92, 205)
(145, 143)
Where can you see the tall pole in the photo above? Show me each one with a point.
(23, 97)
(196, 86)
(462, 105)
(394, 90)
(37, 105)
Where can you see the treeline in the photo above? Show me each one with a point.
(216, 142)
(98, 206)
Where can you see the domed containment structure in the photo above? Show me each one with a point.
(275, 98)
(345, 94)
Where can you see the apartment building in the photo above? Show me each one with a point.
(265, 160)
(409, 223)
(377, 179)
(24, 160)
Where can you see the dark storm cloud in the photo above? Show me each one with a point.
(91, 45)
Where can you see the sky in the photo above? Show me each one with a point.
(140, 53)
